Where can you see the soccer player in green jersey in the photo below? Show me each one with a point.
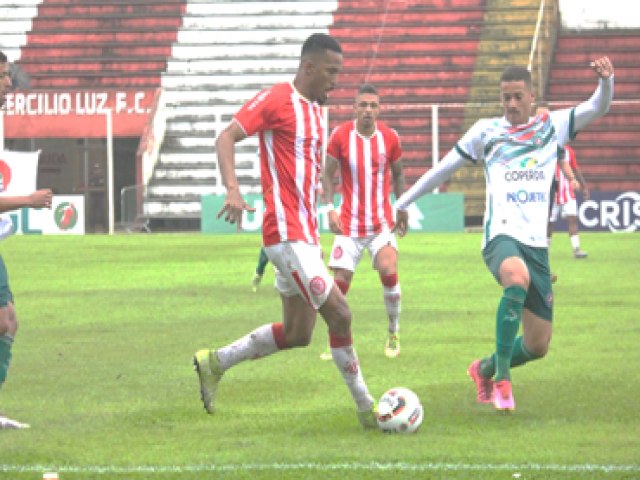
(519, 154)
(8, 320)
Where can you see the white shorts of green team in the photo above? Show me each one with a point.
(569, 209)
(300, 270)
(347, 251)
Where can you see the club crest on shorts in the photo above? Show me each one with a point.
(337, 252)
(317, 286)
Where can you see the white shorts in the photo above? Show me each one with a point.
(347, 251)
(569, 209)
(300, 270)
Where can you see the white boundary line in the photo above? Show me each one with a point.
(374, 466)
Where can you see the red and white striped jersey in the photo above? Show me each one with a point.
(291, 131)
(366, 181)
(565, 192)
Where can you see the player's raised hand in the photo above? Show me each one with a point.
(41, 198)
(233, 207)
(402, 223)
(603, 67)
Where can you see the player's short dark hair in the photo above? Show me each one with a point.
(367, 88)
(3, 57)
(319, 43)
(516, 74)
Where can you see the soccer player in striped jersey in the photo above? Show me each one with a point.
(367, 154)
(564, 201)
(519, 154)
(8, 319)
(289, 120)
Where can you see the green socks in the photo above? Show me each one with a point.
(507, 324)
(520, 353)
(520, 356)
(5, 356)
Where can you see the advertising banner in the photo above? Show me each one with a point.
(18, 176)
(18, 172)
(608, 212)
(59, 114)
(443, 212)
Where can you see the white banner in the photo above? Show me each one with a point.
(18, 172)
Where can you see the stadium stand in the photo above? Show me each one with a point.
(608, 151)
(209, 57)
(95, 44)
(225, 53)
(16, 19)
(417, 53)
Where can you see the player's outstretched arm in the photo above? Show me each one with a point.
(38, 199)
(234, 204)
(601, 99)
(431, 179)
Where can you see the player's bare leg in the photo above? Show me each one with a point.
(337, 315)
(8, 330)
(342, 279)
(386, 262)
(572, 226)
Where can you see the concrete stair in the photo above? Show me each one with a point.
(225, 52)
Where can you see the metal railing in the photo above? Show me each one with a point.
(544, 39)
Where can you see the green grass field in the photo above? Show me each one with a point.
(102, 366)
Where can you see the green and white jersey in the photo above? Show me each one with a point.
(519, 164)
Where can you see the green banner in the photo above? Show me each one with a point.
(441, 212)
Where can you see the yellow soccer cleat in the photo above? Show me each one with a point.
(392, 348)
(368, 418)
(206, 365)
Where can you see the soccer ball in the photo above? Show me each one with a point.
(399, 410)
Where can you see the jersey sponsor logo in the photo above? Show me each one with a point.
(526, 175)
(529, 162)
(523, 196)
(317, 286)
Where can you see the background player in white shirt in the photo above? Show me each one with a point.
(368, 155)
(519, 156)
